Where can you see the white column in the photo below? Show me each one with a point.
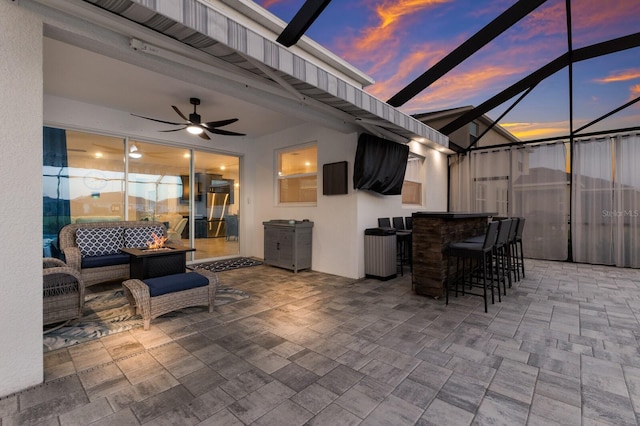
(20, 199)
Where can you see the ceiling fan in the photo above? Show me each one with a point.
(195, 125)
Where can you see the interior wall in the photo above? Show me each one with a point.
(335, 249)
(21, 175)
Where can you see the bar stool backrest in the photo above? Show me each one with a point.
(520, 229)
(398, 223)
(408, 221)
(491, 235)
(512, 230)
(503, 232)
(384, 222)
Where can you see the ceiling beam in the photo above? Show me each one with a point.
(308, 13)
(490, 31)
(581, 54)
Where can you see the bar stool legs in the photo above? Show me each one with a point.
(480, 271)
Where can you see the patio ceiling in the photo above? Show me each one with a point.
(198, 25)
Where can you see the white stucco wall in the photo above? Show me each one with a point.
(335, 250)
(20, 199)
(436, 165)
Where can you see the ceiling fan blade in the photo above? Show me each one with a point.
(204, 135)
(173, 130)
(225, 132)
(160, 121)
(220, 123)
(175, 108)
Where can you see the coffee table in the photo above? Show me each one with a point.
(151, 263)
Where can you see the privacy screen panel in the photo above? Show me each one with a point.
(380, 165)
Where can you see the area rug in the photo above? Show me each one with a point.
(107, 313)
(226, 264)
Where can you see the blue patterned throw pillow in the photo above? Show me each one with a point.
(141, 236)
(99, 241)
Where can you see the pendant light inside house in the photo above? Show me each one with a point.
(133, 151)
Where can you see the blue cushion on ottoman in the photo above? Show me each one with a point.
(176, 282)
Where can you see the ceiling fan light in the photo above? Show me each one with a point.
(194, 130)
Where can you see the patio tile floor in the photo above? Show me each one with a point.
(311, 348)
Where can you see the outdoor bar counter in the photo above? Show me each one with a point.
(432, 232)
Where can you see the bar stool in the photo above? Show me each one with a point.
(479, 275)
(502, 252)
(518, 254)
(502, 256)
(510, 242)
(403, 239)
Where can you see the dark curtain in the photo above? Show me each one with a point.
(56, 210)
(380, 165)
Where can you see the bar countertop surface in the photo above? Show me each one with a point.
(453, 215)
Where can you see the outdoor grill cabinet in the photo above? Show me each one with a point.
(287, 244)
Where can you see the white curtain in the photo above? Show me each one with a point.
(593, 209)
(490, 171)
(412, 171)
(541, 196)
(625, 217)
(533, 182)
(460, 183)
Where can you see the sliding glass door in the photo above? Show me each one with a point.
(91, 178)
(216, 212)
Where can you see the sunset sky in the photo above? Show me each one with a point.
(395, 41)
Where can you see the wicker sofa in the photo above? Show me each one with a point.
(93, 248)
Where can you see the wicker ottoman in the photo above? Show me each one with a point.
(153, 297)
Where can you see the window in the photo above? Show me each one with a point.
(412, 186)
(298, 175)
(473, 132)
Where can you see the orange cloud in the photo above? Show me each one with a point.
(547, 20)
(625, 75)
(418, 60)
(391, 16)
(532, 131)
(268, 3)
(594, 22)
(459, 88)
(489, 75)
(635, 92)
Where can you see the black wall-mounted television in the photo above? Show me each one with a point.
(380, 165)
(335, 178)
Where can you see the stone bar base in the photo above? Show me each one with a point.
(432, 232)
